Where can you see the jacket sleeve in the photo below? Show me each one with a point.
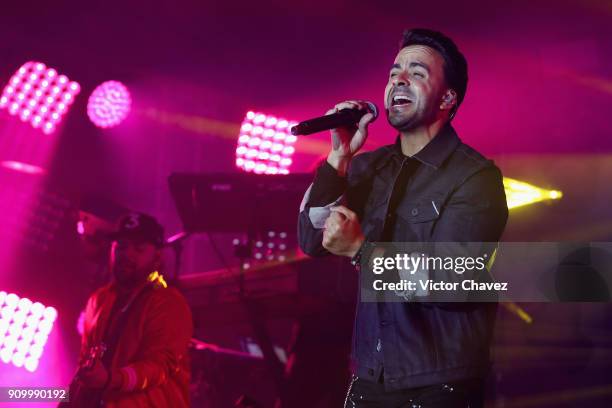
(326, 189)
(164, 350)
(87, 322)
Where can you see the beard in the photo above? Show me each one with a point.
(407, 118)
(127, 274)
(403, 122)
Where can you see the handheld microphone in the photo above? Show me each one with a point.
(344, 117)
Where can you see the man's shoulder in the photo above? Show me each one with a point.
(168, 296)
(168, 305)
(470, 160)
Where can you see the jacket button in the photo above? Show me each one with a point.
(415, 211)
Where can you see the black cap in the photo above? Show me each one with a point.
(139, 226)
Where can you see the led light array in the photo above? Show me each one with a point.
(24, 329)
(39, 95)
(36, 220)
(109, 104)
(265, 145)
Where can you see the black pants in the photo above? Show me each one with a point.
(464, 394)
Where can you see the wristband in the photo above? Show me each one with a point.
(356, 259)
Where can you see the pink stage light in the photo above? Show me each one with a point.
(37, 94)
(265, 145)
(24, 329)
(109, 104)
(22, 167)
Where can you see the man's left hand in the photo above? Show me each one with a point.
(96, 377)
(342, 235)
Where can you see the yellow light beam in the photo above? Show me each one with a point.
(518, 311)
(223, 129)
(193, 123)
(519, 193)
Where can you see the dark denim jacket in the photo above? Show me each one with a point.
(455, 194)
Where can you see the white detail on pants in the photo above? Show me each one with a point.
(348, 393)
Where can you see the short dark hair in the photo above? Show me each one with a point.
(455, 64)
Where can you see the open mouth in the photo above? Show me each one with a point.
(399, 100)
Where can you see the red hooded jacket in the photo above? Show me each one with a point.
(151, 356)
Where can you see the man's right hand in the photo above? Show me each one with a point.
(346, 142)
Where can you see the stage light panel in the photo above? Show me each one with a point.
(39, 95)
(109, 104)
(265, 145)
(24, 329)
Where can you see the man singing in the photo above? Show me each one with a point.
(427, 187)
(143, 327)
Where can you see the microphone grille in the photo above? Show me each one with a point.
(373, 109)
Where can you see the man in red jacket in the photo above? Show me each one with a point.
(143, 326)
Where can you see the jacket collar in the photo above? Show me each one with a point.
(436, 151)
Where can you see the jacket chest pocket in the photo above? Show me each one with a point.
(417, 218)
